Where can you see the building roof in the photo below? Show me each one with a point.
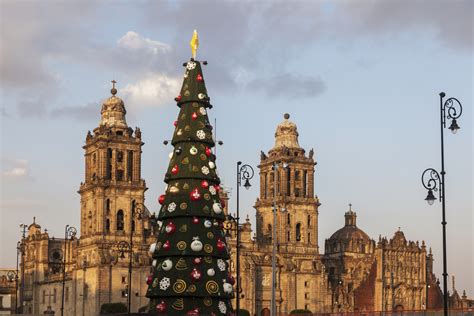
(113, 111)
(350, 231)
(286, 134)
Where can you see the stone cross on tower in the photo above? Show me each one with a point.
(114, 90)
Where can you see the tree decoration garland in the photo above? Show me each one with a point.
(190, 258)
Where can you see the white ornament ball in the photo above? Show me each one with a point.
(207, 223)
(227, 287)
(212, 165)
(196, 245)
(152, 248)
(217, 208)
(154, 262)
(170, 155)
(193, 151)
(167, 265)
(211, 272)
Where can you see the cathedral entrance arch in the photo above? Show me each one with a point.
(265, 312)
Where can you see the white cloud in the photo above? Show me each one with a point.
(135, 42)
(15, 168)
(154, 90)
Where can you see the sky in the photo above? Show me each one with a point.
(361, 79)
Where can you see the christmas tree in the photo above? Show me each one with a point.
(190, 259)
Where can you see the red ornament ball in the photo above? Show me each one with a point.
(199, 77)
(196, 274)
(194, 116)
(195, 195)
(170, 228)
(220, 245)
(161, 199)
(175, 123)
(195, 220)
(167, 245)
(218, 188)
(161, 307)
(178, 98)
(197, 260)
(193, 312)
(222, 203)
(231, 279)
(208, 151)
(204, 184)
(175, 169)
(149, 279)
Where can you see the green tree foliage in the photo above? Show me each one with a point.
(190, 269)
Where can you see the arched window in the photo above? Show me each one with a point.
(309, 220)
(108, 171)
(130, 165)
(133, 226)
(120, 220)
(107, 224)
(309, 238)
(107, 206)
(288, 219)
(288, 236)
(288, 181)
(298, 232)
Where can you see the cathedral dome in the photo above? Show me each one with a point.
(113, 111)
(349, 238)
(286, 134)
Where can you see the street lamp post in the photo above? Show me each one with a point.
(137, 212)
(18, 249)
(69, 233)
(274, 241)
(244, 172)
(450, 109)
(22, 249)
(125, 247)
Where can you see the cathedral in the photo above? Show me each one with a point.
(352, 273)
(116, 230)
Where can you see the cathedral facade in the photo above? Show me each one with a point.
(354, 273)
(113, 221)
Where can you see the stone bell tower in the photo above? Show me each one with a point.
(113, 184)
(297, 219)
(112, 195)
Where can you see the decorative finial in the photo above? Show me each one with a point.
(286, 116)
(194, 43)
(399, 228)
(113, 90)
(34, 220)
(350, 207)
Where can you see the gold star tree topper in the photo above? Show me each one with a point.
(194, 43)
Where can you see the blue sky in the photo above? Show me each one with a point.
(360, 79)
